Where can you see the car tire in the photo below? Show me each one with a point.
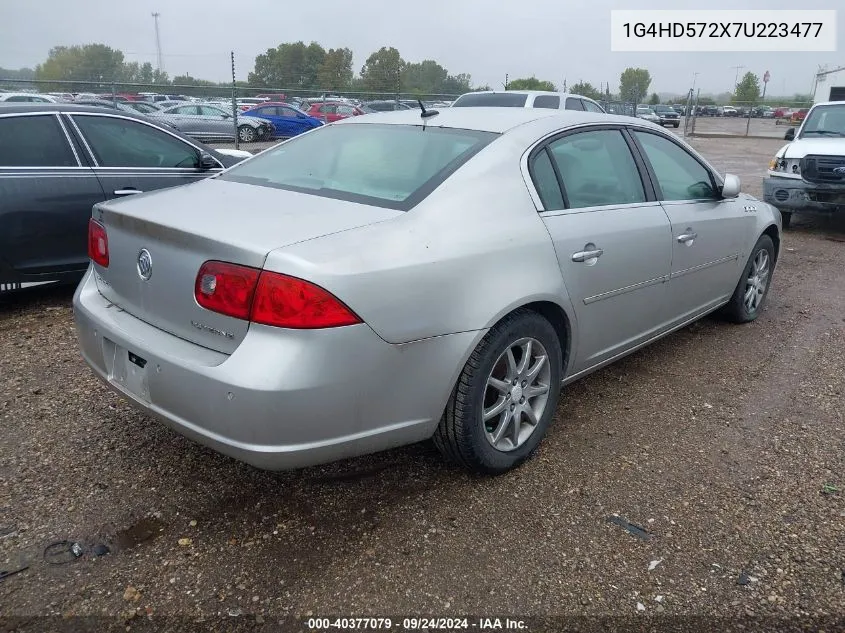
(676, 125)
(740, 309)
(786, 219)
(463, 436)
(246, 134)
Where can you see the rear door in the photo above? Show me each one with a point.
(46, 195)
(612, 240)
(708, 232)
(130, 156)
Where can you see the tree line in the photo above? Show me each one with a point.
(297, 66)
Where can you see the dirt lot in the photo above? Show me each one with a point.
(725, 443)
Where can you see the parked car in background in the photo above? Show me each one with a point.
(159, 97)
(808, 173)
(667, 115)
(647, 114)
(61, 97)
(762, 112)
(729, 111)
(798, 116)
(527, 99)
(287, 121)
(246, 103)
(783, 112)
(142, 107)
(58, 160)
(679, 108)
(26, 97)
(256, 312)
(275, 98)
(385, 106)
(208, 122)
(331, 111)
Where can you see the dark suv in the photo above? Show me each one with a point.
(58, 160)
(667, 114)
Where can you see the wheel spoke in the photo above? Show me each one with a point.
(532, 417)
(499, 385)
(532, 391)
(526, 358)
(511, 364)
(496, 409)
(749, 293)
(504, 425)
(535, 370)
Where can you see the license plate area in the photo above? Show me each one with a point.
(129, 371)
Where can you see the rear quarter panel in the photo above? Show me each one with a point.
(471, 252)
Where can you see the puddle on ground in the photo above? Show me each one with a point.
(143, 531)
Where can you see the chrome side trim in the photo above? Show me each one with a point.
(626, 289)
(695, 269)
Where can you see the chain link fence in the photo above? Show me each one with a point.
(219, 112)
(758, 119)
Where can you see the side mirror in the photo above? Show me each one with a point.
(790, 134)
(207, 161)
(226, 115)
(732, 186)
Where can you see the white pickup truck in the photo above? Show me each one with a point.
(808, 174)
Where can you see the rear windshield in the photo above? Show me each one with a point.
(491, 99)
(393, 166)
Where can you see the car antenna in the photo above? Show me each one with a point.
(426, 113)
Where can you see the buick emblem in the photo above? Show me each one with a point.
(839, 170)
(145, 264)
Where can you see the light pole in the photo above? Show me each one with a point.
(158, 40)
(736, 78)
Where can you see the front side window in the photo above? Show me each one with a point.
(597, 169)
(120, 142)
(573, 103)
(547, 101)
(679, 174)
(211, 111)
(34, 141)
(190, 110)
(393, 166)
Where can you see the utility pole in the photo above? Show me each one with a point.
(158, 41)
(506, 81)
(235, 103)
(736, 78)
(694, 78)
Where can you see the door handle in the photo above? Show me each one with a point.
(127, 192)
(687, 237)
(583, 256)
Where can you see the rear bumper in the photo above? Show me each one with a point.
(284, 399)
(795, 194)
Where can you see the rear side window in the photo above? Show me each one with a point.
(120, 142)
(393, 166)
(573, 103)
(546, 182)
(597, 169)
(547, 101)
(34, 141)
(491, 100)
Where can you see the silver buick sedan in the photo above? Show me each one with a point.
(411, 275)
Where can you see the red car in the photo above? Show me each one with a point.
(782, 112)
(331, 111)
(798, 116)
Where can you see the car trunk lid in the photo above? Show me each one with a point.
(181, 228)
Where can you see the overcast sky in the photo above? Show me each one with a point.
(552, 39)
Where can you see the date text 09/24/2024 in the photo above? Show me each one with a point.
(481, 624)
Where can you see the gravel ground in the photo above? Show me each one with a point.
(725, 443)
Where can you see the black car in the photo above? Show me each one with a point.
(58, 160)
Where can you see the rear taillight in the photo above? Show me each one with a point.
(268, 298)
(98, 243)
(289, 302)
(226, 288)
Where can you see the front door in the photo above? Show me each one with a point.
(132, 157)
(708, 232)
(613, 245)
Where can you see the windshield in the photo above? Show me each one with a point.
(393, 166)
(827, 120)
(491, 99)
(642, 110)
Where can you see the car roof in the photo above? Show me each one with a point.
(526, 92)
(488, 119)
